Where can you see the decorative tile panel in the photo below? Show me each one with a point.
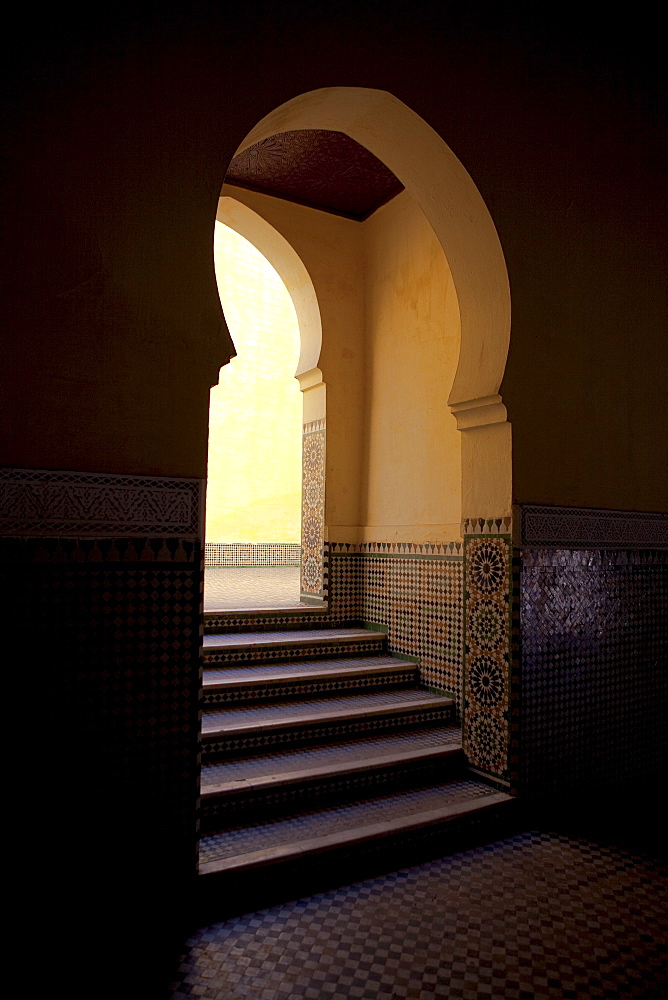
(241, 554)
(486, 526)
(418, 600)
(313, 509)
(399, 548)
(487, 659)
(575, 528)
(88, 504)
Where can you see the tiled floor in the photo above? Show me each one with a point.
(540, 916)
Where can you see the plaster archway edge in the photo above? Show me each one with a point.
(457, 213)
(450, 200)
(288, 264)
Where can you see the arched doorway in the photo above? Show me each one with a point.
(473, 633)
(253, 508)
(282, 256)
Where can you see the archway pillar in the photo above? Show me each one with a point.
(486, 457)
(313, 487)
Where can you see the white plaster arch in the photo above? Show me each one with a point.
(455, 209)
(285, 260)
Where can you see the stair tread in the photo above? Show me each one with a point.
(344, 754)
(300, 637)
(317, 709)
(216, 676)
(332, 826)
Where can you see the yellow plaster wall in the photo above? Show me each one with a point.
(255, 415)
(330, 247)
(391, 337)
(412, 482)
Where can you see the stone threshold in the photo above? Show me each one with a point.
(350, 837)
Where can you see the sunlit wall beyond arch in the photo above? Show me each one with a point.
(255, 419)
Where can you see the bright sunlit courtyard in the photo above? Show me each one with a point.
(254, 474)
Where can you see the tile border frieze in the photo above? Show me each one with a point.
(447, 550)
(542, 526)
(48, 503)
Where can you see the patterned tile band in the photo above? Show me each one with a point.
(313, 509)
(259, 554)
(487, 674)
(88, 504)
(578, 528)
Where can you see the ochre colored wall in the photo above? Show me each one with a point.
(390, 326)
(412, 472)
(255, 413)
(332, 252)
(121, 138)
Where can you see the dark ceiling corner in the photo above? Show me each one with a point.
(315, 167)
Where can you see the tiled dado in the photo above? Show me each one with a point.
(594, 630)
(313, 510)
(412, 591)
(488, 644)
(112, 629)
(593, 617)
(102, 583)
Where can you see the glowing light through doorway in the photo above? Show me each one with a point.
(254, 477)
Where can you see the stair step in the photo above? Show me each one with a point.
(244, 848)
(318, 711)
(318, 719)
(243, 647)
(271, 794)
(254, 682)
(343, 756)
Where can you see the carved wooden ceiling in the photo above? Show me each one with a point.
(322, 169)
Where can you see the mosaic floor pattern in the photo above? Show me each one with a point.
(536, 917)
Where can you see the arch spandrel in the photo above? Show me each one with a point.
(447, 195)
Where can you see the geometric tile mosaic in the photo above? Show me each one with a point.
(419, 602)
(113, 628)
(594, 653)
(538, 916)
(252, 554)
(487, 668)
(313, 508)
(589, 528)
(51, 504)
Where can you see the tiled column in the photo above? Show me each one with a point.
(313, 512)
(488, 643)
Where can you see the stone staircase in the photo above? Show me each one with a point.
(318, 746)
